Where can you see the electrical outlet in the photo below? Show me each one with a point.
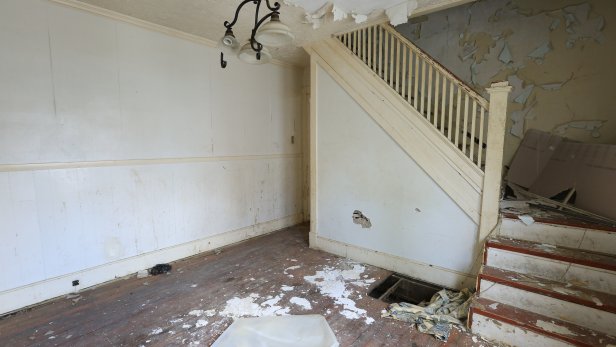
(75, 283)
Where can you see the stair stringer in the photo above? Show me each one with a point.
(461, 180)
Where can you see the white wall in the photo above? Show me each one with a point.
(117, 141)
(359, 167)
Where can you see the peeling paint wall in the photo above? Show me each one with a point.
(119, 144)
(558, 55)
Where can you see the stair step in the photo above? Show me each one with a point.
(501, 322)
(561, 232)
(580, 306)
(562, 291)
(581, 268)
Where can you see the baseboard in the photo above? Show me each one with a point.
(21, 297)
(430, 273)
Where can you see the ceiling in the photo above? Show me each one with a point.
(205, 18)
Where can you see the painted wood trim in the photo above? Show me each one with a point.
(21, 297)
(513, 322)
(564, 222)
(430, 273)
(154, 27)
(520, 283)
(312, 239)
(495, 144)
(444, 163)
(139, 162)
(580, 257)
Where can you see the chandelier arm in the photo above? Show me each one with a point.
(276, 6)
(237, 13)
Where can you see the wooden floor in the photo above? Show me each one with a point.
(195, 303)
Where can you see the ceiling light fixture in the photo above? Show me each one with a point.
(273, 34)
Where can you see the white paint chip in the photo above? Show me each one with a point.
(333, 283)
(526, 219)
(201, 323)
(156, 331)
(305, 304)
(551, 327)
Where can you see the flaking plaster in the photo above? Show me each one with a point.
(557, 55)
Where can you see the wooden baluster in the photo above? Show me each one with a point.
(443, 103)
(410, 76)
(473, 129)
(450, 124)
(437, 78)
(404, 72)
(423, 87)
(458, 110)
(398, 67)
(465, 127)
(374, 54)
(391, 60)
(416, 82)
(356, 39)
(386, 59)
(360, 44)
(429, 99)
(369, 56)
(480, 146)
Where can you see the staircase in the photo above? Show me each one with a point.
(550, 283)
(450, 130)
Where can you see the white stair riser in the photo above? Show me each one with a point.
(498, 331)
(560, 235)
(579, 275)
(585, 316)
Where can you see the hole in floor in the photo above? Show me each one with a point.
(399, 288)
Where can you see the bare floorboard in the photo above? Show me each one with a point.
(155, 311)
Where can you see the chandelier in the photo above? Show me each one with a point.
(271, 34)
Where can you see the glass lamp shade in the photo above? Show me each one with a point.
(248, 55)
(274, 33)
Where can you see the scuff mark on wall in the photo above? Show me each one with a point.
(556, 55)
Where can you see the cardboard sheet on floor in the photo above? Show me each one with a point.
(549, 165)
(297, 331)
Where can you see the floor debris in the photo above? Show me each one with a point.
(437, 317)
(159, 269)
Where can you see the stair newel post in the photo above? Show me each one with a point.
(499, 94)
